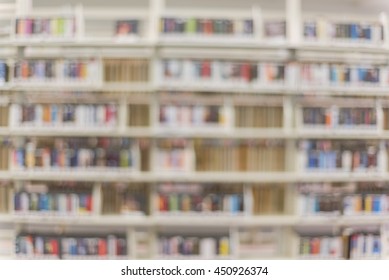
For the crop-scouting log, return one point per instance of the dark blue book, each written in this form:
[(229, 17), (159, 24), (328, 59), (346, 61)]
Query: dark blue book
[(3, 72)]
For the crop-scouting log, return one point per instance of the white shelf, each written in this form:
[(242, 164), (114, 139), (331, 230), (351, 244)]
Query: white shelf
[(124, 175), (196, 132)]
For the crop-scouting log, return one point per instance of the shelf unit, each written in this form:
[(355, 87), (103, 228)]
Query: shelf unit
[(220, 103)]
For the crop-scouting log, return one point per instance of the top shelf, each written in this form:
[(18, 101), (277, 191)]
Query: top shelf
[(282, 25)]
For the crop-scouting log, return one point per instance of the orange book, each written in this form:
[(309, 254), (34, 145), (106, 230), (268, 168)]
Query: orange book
[(25, 70), (46, 113), (83, 71), (328, 118), (358, 204)]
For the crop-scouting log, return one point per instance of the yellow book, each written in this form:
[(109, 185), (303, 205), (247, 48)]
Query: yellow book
[(368, 204), (224, 246)]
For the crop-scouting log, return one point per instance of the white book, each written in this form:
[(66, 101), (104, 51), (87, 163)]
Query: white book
[(75, 203), (325, 243), (112, 245), (369, 245), (346, 161), (16, 115), (185, 113), (302, 205), (62, 203), (101, 112), (208, 248), (38, 115)]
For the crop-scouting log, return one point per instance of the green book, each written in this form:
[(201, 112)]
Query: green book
[(191, 26), (173, 202), (61, 26), (124, 158)]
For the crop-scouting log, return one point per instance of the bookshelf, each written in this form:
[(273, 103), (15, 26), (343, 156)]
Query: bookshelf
[(173, 129)]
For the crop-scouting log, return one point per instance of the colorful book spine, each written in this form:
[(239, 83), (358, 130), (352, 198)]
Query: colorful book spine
[(37, 246), (64, 115), (62, 27), (56, 70), (207, 27), (203, 247), (76, 153), (321, 247)]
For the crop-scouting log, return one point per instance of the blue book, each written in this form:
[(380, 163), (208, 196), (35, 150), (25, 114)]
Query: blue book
[(17, 201), (3, 72), (333, 74), (322, 160), (54, 113), (316, 205), (367, 32), (311, 160), (354, 31), (377, 245), (234, 203), (44, 202), (20, 157), (376, 204)]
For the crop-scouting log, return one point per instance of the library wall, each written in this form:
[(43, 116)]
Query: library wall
[(183, 130)]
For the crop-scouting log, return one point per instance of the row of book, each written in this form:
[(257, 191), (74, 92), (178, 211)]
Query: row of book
[(222, 71), (196, 115), (353, 246), (339, 155), (126, 70), (322, 30), (258, 116), (63, 115), (363, 245), (47, 27), (239, 156), (245, 72), (211, 203), (46, 70), (190, 26), (105, 115), (357, 204), (206, 247), (321, 246), (342, 74), (53, 203), (345, 117), (180, 70), (75, 153), (39, 246), (268, 199), (365, 203)]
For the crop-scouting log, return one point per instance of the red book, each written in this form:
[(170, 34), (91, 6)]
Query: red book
[(102, 251), (206, 69), (89, 203), (208, 28), (55, 247), (68, 204), (245, 71)]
